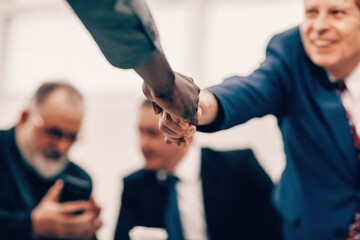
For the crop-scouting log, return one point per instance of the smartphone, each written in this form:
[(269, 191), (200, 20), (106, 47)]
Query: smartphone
[(75, 189)]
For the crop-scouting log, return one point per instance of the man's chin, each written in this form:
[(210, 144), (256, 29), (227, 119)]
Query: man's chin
[(50, 160), (152, 165), (48, 168)]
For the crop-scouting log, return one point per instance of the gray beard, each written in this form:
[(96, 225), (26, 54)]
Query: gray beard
[(47, 168)]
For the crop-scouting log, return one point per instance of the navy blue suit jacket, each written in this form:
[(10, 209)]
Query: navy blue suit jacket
[(319, 189), (15, 214), (237, 199)]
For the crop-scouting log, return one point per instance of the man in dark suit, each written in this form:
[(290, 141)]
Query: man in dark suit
[(33, 155), (221, 195), (298, 83)]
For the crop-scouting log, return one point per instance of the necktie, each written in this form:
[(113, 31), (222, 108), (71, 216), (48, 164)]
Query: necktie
[(354, 229), (341, 87), (171, 215)]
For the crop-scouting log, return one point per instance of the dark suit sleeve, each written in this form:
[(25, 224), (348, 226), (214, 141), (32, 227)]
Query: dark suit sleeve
[(265, 91), (15, 225), (117, 30), (127, 218)]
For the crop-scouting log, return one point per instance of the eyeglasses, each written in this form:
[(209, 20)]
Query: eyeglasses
[(53, 132)]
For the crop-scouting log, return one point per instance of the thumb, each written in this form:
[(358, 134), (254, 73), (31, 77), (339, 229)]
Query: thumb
[(54, 192), (194, 117)]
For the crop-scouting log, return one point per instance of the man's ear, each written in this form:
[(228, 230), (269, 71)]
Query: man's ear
[(24, 117)]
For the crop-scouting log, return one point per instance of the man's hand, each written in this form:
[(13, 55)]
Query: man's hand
[(53, 219), (177, 130), (181, 102)]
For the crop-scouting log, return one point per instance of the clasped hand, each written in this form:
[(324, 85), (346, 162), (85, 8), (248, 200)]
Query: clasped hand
[(181, 102), (177, 130)]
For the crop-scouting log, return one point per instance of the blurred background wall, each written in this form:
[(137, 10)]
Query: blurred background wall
[(206, 39)]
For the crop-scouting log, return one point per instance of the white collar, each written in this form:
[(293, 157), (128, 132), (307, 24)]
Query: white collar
[(352, 82), (188, 169)]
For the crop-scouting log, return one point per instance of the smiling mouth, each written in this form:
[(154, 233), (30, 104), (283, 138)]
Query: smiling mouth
[(322, 43)]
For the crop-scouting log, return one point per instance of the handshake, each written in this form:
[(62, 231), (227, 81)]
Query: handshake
[(181, 108)]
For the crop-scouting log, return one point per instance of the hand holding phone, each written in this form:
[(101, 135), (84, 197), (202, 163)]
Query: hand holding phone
[(75, 189), (50, 218)]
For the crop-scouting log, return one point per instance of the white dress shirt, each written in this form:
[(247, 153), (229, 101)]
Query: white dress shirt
[(351, 96), (190, 195)]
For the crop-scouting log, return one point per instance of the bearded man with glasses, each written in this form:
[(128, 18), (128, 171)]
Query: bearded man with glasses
[(33, 159)]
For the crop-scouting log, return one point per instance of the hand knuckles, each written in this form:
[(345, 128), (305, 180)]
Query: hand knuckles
[(163, 128), (166, 122)]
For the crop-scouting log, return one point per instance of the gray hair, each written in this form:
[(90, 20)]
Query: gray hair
[(47, 88)]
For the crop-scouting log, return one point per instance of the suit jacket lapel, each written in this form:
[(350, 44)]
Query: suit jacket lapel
[(331, 108), (153, 203)]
